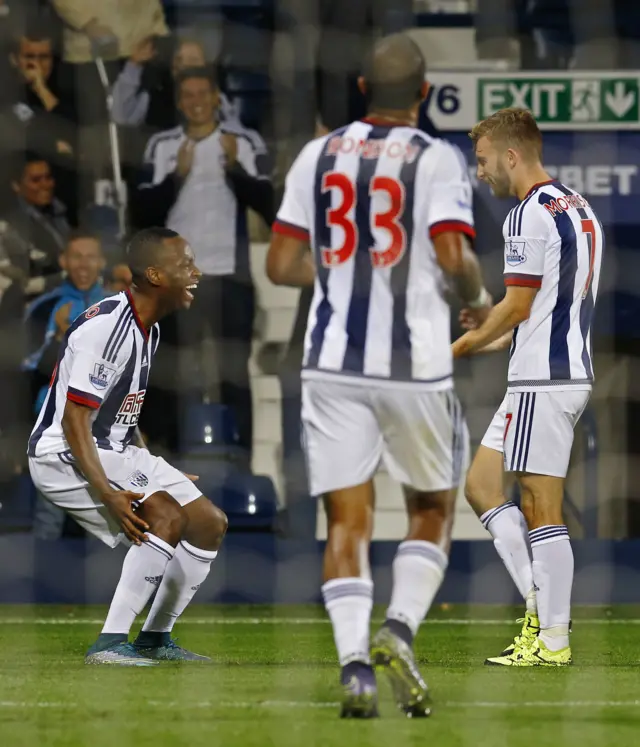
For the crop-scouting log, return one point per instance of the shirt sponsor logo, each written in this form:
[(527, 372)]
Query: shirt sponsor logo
[(101, 375), (515, 253), (129, 412)]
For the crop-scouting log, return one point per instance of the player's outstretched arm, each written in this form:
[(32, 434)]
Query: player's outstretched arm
[(468, 321), (76, 424), (289, 261), (502, 319), (460, 263), (502, 343)]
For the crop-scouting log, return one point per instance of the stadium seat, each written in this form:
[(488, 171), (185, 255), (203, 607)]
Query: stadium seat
[(251, 90), (103, 221), (249, 501), (205, 426)]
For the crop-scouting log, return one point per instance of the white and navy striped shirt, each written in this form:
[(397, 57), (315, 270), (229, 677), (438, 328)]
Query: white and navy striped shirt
[(370, 198), (104, 364), (554, 242)]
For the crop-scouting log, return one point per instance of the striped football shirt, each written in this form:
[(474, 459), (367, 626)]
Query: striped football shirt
[(103, 364), (554, 242), (369, 198)]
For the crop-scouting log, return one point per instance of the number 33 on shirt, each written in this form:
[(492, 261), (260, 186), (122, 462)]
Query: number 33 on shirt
[(375, 189)]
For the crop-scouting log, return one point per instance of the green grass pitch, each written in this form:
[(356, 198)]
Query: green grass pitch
[(274, 681)]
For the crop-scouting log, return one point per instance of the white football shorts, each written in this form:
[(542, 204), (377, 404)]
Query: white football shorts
[(349, 429), (534, 430), (59, 480)]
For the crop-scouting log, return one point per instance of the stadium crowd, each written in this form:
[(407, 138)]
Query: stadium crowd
[(187, 161)]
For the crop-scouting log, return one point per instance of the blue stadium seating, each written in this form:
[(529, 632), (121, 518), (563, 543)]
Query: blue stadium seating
[(205, 426), (103, 221), (249, 501)]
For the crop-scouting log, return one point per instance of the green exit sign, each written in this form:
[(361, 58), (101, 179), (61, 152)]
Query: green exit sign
[(578, 100)]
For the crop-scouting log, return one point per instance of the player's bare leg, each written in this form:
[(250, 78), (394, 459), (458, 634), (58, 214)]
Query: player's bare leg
[(552, 567), (418, 570), (142, 572), (348, 593), (205, 529), (484, 490)]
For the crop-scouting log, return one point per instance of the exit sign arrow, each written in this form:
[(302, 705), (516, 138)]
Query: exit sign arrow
[(619, 101)]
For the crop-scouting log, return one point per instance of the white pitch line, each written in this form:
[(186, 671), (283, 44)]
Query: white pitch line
[(301, 704), (292, 621), (37, 704), (445, 704)]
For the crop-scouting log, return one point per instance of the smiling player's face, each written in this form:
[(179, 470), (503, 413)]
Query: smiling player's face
[(178, 275), (493, 165)]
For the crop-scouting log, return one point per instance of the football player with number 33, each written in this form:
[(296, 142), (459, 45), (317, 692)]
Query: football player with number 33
[(386, 212)]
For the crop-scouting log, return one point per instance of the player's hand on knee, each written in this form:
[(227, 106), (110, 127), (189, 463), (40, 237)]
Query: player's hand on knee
[(119, 505)]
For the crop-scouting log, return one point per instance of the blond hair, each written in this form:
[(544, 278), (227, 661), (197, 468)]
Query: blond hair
[(516, 128)]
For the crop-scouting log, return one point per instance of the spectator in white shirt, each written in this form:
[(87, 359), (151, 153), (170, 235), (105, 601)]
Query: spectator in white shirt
[(199, 180)]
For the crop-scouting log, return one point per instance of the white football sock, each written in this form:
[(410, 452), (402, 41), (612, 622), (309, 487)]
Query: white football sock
[(507, 526), (418, 570), (348, 602), (531, 602), (142, 571), (188, 568), (553, 577)]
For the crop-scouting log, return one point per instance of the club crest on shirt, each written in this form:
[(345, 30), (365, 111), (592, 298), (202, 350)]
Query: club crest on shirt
[(515, 252), (101, 376), (139, 479)]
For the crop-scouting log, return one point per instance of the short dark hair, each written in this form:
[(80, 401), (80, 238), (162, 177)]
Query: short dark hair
[(143, 249), (24, 159), (78, 234), (35, 29), (204, 73), (394, 73)]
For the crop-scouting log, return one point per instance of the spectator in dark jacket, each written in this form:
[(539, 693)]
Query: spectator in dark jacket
[(33, 112), (39, 222)]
